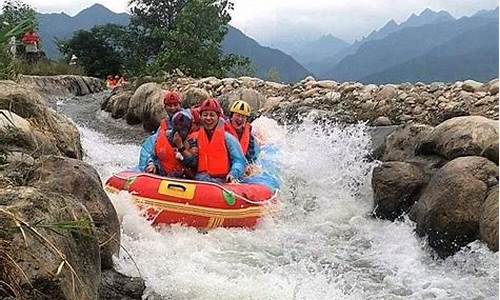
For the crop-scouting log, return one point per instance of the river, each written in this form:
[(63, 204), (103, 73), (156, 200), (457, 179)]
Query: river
[(322, 244)]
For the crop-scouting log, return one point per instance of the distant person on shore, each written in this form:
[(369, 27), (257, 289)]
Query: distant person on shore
[(74, 60), (110, 82), (31, 40), (123, 80)]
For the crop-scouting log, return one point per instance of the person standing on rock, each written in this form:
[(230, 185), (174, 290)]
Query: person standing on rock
[(167, 152), (240, 128), (30, 40), (219, 155)]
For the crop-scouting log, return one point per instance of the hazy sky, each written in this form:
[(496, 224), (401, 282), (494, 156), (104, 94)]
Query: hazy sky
[(268, 20)]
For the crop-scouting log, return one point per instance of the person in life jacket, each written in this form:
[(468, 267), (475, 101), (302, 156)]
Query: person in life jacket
[(167, 152), (172, 104), (219, 154), (110, 84), (240, 128), (123, 80)]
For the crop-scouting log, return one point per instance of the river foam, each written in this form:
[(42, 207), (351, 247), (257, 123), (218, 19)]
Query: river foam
[(322, 244)]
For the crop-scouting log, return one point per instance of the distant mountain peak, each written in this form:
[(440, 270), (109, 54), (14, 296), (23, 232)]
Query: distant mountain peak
[(95, 9), (391, 24), (427, 12)]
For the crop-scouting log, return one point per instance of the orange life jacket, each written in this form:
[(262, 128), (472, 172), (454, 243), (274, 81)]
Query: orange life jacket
[(165, 152), (245, 136), (213, 157)]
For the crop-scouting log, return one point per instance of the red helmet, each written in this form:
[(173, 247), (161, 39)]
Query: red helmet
[(171, 98), (211, 105), (195, 112)]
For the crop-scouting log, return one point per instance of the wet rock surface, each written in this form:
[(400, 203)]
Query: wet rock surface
[(59, 228)]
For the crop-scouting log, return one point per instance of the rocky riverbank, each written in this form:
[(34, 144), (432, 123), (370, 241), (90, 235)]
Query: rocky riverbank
[(59, 228), (348, 102), (63, 85), (445, 178)]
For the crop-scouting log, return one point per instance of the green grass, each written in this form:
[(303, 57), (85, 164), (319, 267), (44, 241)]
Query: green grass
[(48, 69)]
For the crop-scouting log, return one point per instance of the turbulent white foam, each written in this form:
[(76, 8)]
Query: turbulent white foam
[(321, 245)]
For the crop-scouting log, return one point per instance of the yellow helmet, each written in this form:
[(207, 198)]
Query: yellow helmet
[(241, 107)]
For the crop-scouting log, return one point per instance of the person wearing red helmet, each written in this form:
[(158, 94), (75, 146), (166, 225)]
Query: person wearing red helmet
[(172, 104), (167, 152), (219, 154)]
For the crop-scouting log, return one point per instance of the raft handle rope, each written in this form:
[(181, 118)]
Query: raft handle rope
[(273, 197)]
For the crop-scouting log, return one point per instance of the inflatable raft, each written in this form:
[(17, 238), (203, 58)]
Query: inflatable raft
[(195, 203)]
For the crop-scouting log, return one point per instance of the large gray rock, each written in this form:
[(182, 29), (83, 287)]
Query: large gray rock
[(146, 106), (378, 135), (51, 133), (396, 186), (194, 96), (254, 98), (449, 208), (117, 103), (78, 179), (50, 248), (488, 223), (401, 144), (460, 136), (63, 85), (116, 286)]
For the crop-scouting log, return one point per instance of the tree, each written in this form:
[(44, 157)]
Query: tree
[(16, 19), (15, 12), (95, 50), (193, 43), (149, 22), (273, 75)]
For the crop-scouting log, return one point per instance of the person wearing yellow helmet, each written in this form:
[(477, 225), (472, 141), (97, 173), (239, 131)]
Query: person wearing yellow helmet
[(239, 127)]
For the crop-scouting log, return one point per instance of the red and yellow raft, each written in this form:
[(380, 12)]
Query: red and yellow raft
[(195, 203)]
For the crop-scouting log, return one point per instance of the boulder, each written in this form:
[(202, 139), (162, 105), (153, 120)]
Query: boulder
[(461, 136), (396, 186), (401, 144), (493, 87), (117, 103), (488, 222), (50, 247), (120, 103), (146, 106), (449, 208), (378, 134), (64, 85), (53, 133), (471, 86), (386, 93), (194, 96), (254, 98), (73, 177), (116, 286), (327, 84), (382, 121)]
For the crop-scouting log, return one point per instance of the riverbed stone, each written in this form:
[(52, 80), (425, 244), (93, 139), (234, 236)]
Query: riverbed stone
[(488, 223), (449, 208), (65, 176), (396, 186), (460, 136)]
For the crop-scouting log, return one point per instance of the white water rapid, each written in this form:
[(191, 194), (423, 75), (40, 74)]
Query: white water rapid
[(322, 244)]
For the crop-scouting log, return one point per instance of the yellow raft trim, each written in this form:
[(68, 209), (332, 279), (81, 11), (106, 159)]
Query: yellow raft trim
[(217, 213), (214, 222)]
